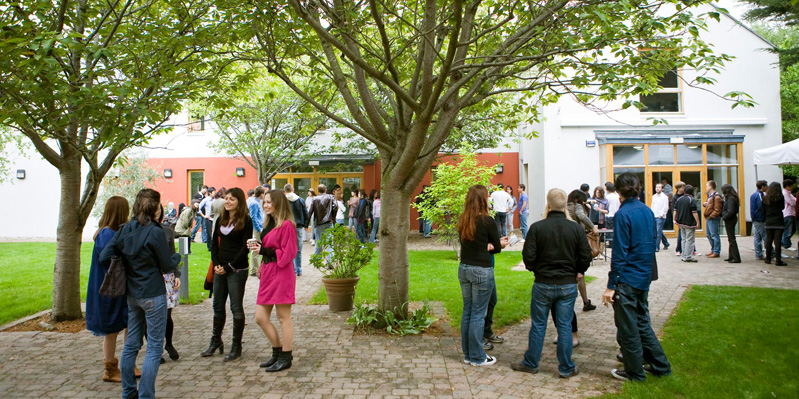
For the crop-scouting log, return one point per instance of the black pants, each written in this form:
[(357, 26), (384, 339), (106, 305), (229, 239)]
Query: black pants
[(230, 285), (209, 224), (487, 331), (729, 226), (502, 222), (634, 333), (773, 243)]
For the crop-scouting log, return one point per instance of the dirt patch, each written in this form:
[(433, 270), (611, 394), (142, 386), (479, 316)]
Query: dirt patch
[(71, 326)]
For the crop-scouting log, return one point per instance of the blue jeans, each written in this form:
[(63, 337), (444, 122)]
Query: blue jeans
[(360, 231), (760, 237), (712, 232), (149, 313), (198, 220), (659, 222), (789, 230), (523, 224), (209, 227), (319, 231), (375, 227), (545, 296), (428, 227), (634, 333), (298, 258), (477, 285)]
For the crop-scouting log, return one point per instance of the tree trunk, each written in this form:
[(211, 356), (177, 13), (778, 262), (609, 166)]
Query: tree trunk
[(393, 262), (66, 275)]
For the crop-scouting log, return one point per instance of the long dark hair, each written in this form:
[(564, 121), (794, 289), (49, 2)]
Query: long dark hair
[(728, 191), (576, 196), (773, 194), (240, 213), (146, 204), (475, 206), (117, 212)]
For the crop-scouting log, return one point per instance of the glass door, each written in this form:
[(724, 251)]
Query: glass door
[(196, 180), (665, 178), (695, 177)]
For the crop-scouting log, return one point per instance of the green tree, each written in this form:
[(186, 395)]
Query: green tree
[(786, 14), (444, 199), (84, 80), (407, 70), (131, 174)]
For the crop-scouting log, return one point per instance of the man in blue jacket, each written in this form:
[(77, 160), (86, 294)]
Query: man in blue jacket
[(758, 217), (628, 284)]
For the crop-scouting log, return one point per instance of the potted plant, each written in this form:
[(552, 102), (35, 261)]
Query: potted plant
[(342, 256)]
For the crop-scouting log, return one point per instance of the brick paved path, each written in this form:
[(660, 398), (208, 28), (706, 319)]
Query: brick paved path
[(330, 362)]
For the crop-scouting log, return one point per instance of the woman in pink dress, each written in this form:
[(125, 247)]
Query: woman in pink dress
[(278, 248)]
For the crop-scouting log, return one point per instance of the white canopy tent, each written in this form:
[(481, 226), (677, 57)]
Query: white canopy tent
[(783, 154)]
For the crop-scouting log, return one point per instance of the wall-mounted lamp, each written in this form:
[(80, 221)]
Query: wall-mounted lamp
[(240, 172), (693, 147), (21, 174), (638, 147), (499, 169), (167, 173)]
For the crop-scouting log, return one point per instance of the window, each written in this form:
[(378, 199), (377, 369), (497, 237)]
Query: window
[(668, 98), (196, 123)]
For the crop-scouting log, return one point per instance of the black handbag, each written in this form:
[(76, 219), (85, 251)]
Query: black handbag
[(115, 281)]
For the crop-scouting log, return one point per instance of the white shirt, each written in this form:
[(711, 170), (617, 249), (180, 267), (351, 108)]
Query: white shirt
[(660, 205), (613, 204), (502, 201)]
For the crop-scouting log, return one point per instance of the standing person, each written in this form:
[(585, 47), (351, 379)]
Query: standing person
[(599, 208), (524, 209), (205, 211), (575, 205), (106, 317), (218, 205), (631, 271), (613, 206), (277, 284), (198, 219), (340, 215), (309, 231), (362, 214), (352, 203), (509, 221), (254, 207), (667, 189), (183, 226), (322, 214), (376, 202), (660, 207), (229, 255), (501, 203), (476, 230), (758, 217), (686, 218), (300, 212), (729, 215), (557, 252), (171, 284), (141, 243), (788, 214), (773, 205), (713, 207)]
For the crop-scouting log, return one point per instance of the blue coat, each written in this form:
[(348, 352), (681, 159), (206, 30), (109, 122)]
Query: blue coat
[(104, 315), (633, 245)]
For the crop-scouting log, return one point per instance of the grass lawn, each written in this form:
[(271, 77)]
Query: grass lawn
[(28, 289), (434, 276), (728, 342)]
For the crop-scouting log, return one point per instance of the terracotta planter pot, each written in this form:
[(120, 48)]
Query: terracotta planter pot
[(340, 292)]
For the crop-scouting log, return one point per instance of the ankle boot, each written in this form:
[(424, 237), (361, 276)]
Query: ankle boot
[(111, 372), (283, 362), (275, 352), (216, 338), (235, 349), (173, 353)]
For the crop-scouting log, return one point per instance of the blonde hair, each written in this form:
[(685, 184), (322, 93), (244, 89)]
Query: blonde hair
[(281, 210), (556, 201)]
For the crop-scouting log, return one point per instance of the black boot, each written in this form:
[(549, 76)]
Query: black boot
[(275, 352), (283, 362), (235, 349), (216, 338)]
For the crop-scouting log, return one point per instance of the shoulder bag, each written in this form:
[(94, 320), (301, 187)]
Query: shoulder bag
[(115, 281)]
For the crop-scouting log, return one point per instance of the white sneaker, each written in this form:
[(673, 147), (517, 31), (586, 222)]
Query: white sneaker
[(789, 249), (785, 256), (489, 361)]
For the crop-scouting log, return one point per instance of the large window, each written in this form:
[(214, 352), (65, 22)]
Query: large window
[(668, 98)]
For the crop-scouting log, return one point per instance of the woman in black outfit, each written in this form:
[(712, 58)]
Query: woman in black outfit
[(730, 216), (773, 204), (229, 253)]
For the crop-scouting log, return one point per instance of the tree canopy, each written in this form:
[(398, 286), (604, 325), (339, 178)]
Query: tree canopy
[(784, 13)]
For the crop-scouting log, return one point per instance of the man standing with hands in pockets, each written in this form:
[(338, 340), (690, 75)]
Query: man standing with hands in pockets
[(628, 284)]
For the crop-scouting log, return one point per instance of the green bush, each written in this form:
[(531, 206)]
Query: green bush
[(348, 254), (367, 317)]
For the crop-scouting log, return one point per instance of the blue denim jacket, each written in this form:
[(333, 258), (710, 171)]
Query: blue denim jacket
[(634, 234), (756, 208)]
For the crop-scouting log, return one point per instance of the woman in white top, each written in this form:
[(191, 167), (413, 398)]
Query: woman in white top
[(375, 216), (340, 218), (308, 202)]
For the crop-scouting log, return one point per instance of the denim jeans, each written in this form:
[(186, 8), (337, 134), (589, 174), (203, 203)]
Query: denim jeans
[(149, 314), (428, 227), (340, 221), (477, 284), (659, 222), (198, 222), (375, 227), (712, 232), (760, 237), (509, 222), (523, 224), (232, 285), (298, 258), (500, 218), (688, 240), (360, 232), (545, 297), (319, 231), (790, 228), (634, 333)]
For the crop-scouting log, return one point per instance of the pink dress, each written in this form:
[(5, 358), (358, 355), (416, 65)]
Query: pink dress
[(277, 278)]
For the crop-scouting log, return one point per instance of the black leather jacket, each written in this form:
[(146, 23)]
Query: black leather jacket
[(323, 209)]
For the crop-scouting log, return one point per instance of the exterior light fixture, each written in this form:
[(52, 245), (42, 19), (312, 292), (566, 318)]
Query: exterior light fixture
[(500, 168), (21, 174), (638, 147), (240, 172), (167, 173)]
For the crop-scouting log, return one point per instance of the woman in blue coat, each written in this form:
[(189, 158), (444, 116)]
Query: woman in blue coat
[(106, 317)]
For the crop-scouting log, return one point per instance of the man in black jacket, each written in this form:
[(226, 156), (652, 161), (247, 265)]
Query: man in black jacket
[(300, 222), (323, 212), (557, 251)]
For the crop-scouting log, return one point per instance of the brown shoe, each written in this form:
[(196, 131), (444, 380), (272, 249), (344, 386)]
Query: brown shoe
[(712, 255), (111, 372)]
